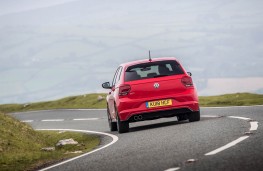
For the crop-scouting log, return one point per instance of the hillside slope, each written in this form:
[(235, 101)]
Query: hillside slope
[(20, 145)]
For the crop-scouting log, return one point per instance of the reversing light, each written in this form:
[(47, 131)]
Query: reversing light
[(124, 90), (187, 81)]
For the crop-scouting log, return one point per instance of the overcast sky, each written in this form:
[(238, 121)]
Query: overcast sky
[(56, 48)]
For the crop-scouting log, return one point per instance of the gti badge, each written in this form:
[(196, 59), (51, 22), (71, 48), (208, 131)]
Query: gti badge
[(156, 85)]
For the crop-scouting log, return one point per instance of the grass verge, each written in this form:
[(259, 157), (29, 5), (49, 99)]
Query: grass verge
[(91, 101), (20, 145), (238, 99)]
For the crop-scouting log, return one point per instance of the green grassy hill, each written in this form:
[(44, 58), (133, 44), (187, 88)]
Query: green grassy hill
[(20, 145), (238, 99), (92, 101)]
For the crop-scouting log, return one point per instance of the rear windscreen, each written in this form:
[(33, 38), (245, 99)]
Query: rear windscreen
[(152, 70)]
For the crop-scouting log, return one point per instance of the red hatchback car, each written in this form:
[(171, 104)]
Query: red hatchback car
[(150, 89)]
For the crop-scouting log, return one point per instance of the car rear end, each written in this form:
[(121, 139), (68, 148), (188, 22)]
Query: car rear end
[(156, 89)]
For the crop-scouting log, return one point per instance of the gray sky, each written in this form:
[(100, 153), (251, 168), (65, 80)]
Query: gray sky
[(55, 48)]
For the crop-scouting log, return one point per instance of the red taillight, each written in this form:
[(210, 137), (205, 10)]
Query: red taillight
[(187, 81), (124, 90)]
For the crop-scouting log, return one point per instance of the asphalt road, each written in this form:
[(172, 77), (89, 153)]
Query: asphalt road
[(165, 144)]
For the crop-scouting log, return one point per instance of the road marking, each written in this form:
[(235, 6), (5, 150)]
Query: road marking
[(114, 140), (85, 119), (254, 126), (233, 106), (238, 117), (52, 110), (52, 120), (210, 116), (60, 120), (173, 169), (27, 120), (231, 144), (84, 109)]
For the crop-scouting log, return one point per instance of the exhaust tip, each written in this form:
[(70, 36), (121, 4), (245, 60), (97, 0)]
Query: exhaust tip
[(137, 117)]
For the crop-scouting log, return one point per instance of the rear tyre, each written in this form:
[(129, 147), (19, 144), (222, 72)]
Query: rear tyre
[(194, 116), (112, 125), (122, 126)]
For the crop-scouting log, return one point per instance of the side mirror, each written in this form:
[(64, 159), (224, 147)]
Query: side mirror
[(189, 73), (106, 85)]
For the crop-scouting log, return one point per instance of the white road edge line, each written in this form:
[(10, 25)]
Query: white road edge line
[(114, 140), (52, 110), (210, 116), (233, 143), (52, 120), (253, 127), (238, 117), (27, 120), (233, 106), (85, 119), (173, 169), (84, 109)]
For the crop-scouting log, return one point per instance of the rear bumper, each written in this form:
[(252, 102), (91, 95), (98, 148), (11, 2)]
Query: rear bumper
[(128, 108), (160, 114)]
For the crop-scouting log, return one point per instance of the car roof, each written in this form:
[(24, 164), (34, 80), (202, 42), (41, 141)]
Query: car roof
[(147, 61)]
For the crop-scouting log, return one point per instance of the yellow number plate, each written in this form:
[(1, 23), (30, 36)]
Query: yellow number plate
[(159, 103)]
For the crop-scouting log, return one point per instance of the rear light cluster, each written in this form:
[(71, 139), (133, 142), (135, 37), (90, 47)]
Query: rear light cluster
[(124, 90), (187, 81)]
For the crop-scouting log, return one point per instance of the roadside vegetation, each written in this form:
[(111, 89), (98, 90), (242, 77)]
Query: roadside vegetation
[(97, 101), (238, 99), (91, 101), (20, 145)]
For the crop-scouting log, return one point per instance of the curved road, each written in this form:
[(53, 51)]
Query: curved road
[(224, 139)]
